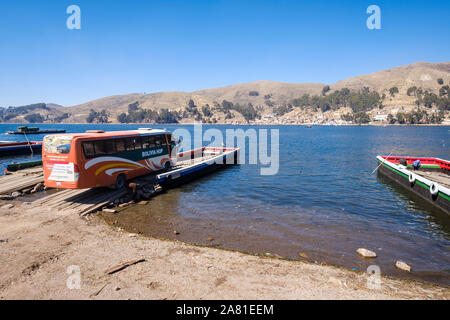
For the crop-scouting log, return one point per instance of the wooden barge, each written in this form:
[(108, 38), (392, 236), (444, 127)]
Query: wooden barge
[(430, 181), (14, 148), (197, 162), (34, 130), (190, 165)]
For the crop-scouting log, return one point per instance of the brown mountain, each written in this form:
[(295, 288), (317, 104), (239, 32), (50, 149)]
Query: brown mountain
[(264, 94)]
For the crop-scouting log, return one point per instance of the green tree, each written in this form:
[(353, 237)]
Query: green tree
[(98, 117), (361, 117), (191, 104), (133, 107), (444, 91), (440, 81), (411, 91), (391, 119), (347, 117), (429, 99), (401, 118), (325, 89), (166, 116), (393, 91), (206, 110), (122, 118)]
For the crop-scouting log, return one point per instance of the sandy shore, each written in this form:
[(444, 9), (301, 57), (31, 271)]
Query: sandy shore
[(37, 247)]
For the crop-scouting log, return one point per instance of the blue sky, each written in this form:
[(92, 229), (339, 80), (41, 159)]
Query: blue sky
[(149, 46)]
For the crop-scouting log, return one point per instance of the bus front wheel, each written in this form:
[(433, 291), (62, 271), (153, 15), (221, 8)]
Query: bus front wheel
[(120, 182)]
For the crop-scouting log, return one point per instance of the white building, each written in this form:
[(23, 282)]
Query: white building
[(380, 117)]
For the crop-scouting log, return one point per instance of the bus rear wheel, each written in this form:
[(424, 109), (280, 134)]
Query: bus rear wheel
[(167, 166), (120, 182)]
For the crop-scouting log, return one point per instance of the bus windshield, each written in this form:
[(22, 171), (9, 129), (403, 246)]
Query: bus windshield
[(57, 144)]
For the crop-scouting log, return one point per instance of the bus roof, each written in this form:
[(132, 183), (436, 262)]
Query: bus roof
[(112, 134)]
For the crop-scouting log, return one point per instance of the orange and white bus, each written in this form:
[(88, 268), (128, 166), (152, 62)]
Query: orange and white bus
[(99, 159)]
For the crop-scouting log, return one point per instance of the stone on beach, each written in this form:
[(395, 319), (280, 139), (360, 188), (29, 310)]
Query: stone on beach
[(39, 187), (16, 194), (403, 266), (366, 253)]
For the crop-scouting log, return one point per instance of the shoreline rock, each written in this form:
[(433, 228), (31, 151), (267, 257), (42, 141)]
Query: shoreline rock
[(366, 253), (403, 266)]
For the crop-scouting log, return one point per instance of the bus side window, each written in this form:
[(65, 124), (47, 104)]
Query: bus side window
[(88, 149), (158, 140), (120, 145), (130, 144), (151, 143), (110, 146), (145, 142), (99, 148), (137, 143)]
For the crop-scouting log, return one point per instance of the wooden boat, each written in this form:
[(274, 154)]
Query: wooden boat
[(431, 180), (23, 165), (14, 148), (34, 130)]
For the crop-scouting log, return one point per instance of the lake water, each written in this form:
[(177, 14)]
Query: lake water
[(323, 203)]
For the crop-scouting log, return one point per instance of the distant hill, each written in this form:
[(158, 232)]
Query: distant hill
[(420, 74), (259, 92), (263, 96)]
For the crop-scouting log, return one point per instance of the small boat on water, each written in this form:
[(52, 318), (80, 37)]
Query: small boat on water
[(34, 130), (9, 148), (429, 178)]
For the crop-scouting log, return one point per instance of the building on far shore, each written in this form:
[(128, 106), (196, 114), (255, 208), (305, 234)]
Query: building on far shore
[(380, 117)]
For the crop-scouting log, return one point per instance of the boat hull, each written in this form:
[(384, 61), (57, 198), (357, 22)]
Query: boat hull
[(36, 132), (10, 149), (224, 157), (420, 186)]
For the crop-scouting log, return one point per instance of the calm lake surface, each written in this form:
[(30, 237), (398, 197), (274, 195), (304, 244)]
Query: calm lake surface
[(323, 203)]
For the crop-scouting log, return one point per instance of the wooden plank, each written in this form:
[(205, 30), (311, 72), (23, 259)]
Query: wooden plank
[(58, 196), (19, 184)]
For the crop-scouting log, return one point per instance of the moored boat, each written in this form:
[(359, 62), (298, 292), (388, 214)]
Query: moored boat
[(14, 148), (429, 178), (34, 130)]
